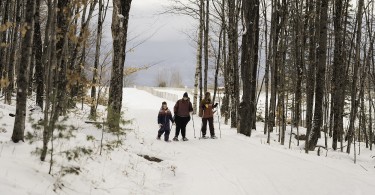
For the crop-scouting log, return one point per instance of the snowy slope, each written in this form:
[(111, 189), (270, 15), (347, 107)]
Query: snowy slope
[(234, 164)]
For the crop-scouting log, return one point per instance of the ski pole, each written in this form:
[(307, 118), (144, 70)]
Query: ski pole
[(218, 114), (192, 117)]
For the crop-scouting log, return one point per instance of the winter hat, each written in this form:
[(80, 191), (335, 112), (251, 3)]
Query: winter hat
[(186, 94), (164, 103)]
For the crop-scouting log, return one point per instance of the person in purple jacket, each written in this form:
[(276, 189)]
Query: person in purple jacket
[(164, 117)]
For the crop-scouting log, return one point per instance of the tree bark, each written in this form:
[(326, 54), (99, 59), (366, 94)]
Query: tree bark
[(314, 13), (120, 18), (49, 60), (275, 30), (354, 101), (38, 49), (97, 58), (320, 77), (281, 59), (198, 69), (13, 58), (218, 60), (370, 120), (249, 64), (266, 77), (206, 37), (225, 103), (233, 61), (338, 72), (27, 44), (299, 61)]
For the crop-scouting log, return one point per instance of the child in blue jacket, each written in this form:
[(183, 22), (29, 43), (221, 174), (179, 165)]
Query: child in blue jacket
[(164, 117)]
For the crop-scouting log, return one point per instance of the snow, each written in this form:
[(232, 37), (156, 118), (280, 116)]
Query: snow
[(232, 164)]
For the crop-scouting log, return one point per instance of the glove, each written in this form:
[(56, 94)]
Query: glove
[(160, 125), (216, 105)]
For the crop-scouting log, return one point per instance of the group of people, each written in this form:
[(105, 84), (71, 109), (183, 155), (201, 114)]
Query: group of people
[(182, 111)]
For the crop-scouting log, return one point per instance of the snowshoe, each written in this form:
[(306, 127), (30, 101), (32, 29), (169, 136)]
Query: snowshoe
[(185, 139), (204, 137), (158, 138), (168, 141), (175, 139), (213, 137)]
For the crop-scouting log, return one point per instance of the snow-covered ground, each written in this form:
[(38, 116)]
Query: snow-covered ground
[(232, 164)]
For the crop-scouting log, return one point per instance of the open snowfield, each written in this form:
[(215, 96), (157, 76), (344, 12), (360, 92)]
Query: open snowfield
[(232, 164)]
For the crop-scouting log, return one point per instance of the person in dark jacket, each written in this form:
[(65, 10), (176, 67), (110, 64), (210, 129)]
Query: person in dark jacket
[(182, 111), (164, 117), (206, 108)]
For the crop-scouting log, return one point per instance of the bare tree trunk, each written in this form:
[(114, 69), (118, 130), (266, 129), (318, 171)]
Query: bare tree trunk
[(225, 111), (249, 64), (354, 101), (218, 60), (27, 45), (38, 49), (198, 69), (266, 77), (363, 115), (368, 63), (320, 77), (314, 13), (338, 72), (49, 60), (62, 17), (233, 60), (206, 37), (299, 60), (275, 30), (13, 58), (120, 18), (254, 44), (97, 58), (281, 71), (370, 119)]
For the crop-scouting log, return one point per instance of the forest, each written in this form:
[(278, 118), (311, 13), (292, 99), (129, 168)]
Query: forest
[(313, 59)]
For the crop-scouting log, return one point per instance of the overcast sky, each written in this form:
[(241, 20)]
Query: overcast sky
[(166, 42)]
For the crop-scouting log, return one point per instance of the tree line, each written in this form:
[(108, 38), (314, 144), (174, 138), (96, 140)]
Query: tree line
[(51, 53), (311, 59)]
